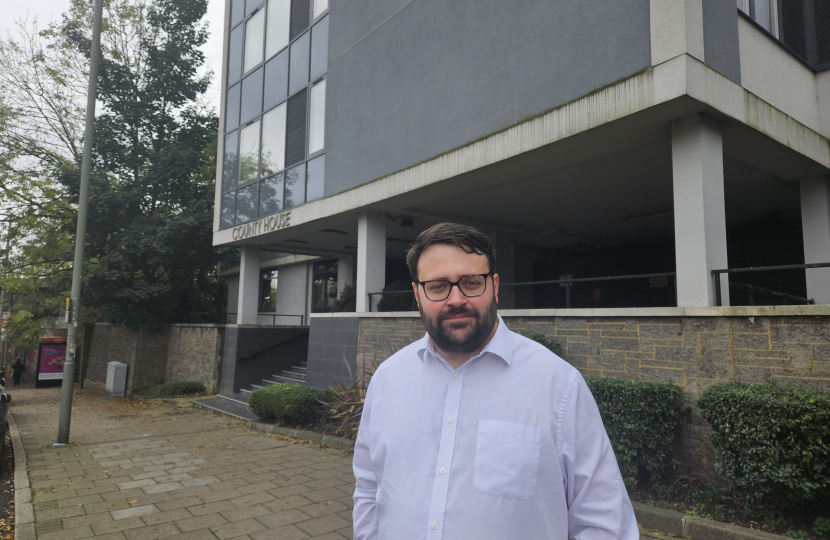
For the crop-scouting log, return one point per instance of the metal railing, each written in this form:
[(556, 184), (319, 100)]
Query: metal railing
[(568, 283), (716, 276), (275, 315)]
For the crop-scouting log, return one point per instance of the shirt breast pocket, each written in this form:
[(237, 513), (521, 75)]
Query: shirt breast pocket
[(507, 459)]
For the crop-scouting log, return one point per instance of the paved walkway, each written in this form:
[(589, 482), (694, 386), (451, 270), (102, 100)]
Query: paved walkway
[(139, 472)]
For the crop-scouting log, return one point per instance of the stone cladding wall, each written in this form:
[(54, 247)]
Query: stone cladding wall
[(195, 354)]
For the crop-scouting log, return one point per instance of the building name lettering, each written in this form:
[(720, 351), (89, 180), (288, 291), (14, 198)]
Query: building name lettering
[(254, 228)]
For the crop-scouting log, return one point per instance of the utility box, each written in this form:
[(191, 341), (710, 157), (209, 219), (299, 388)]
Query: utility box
[(116, 379)]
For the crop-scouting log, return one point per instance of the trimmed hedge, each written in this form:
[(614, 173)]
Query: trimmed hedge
[(171, 389), (642, 421), (292, 403), (773, 441)]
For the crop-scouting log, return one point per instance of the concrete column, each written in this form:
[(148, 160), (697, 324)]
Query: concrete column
[(699, 216), (248, 285), (371, 258), (345, 272), (815, 224), (505, 267)]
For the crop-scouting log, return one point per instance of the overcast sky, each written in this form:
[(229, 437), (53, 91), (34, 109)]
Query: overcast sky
[(51, 10)]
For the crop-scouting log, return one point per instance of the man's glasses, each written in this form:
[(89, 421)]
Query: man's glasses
[(439, 289)]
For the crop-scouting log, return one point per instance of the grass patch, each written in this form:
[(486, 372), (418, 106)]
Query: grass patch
[(171, 390)]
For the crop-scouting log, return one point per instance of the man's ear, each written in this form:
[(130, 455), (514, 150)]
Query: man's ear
[(496, 287), (415, 290)]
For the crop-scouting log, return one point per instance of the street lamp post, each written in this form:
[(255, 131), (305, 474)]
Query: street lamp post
[(80, 234)]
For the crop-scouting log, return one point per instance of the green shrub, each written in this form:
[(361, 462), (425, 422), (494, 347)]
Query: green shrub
[(642, 420), (171, 389), (773, 441), (397, 302), (292, 403), (347, 302), (543, 340)]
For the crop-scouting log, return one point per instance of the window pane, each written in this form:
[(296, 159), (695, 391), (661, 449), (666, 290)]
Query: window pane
[(251, 5), (319, 7), (226, 217), (232, 108), (743, 5), (249, 153), (270, 195), (762, 13), (254, 37), (230, 170), (299, 17), (235, 55), (317, 117), (295, 129), (268, 291), (295, 186), (320, 48), (246, 203), (279, 20), (315, 178), (251, 95), (276, 80), (273, 141), (237, 12), (298, 77)]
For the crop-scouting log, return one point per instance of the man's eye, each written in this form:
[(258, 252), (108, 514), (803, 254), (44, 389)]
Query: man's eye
[(436, 286)]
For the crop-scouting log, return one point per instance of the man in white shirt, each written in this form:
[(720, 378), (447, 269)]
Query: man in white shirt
[(475, 432)]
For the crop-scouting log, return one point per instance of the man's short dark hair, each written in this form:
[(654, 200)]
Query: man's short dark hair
[(469, 239)]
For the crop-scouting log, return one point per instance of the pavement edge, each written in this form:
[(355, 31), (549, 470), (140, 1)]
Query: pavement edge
[(24, 514), (696, 528), (319, 438)]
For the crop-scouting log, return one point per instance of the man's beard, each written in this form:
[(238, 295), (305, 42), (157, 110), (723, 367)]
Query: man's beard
[(440, 330)]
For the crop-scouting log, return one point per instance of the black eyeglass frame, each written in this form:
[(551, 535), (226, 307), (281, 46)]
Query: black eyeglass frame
[(456, 284)]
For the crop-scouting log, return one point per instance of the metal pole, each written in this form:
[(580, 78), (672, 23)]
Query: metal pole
[(80, 233)]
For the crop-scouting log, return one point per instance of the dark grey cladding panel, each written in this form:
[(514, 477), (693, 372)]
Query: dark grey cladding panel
[(720, 38), (435, 75), (332, 342)]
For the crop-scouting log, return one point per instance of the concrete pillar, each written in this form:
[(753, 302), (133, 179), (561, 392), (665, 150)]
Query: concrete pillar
[(248, 285), (505, 267), (699, 216), (371, 258), (345, 272), (815, 224)]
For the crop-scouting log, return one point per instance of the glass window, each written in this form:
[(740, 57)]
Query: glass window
[(235, 55), (315, 178), (254, 37), (232, 108), (300, 10), (237, 12), (294, 186), (270, 195), (279, 21), (295, 129), (319, 48), (251, 5), (317, 117), (268, 291), (273, 141), (246, 203), (743, 5), (276, 80), (319, 7), (251, 95), (249, 153), (298, 74), (230, 169), (226, 217), (324, 287)]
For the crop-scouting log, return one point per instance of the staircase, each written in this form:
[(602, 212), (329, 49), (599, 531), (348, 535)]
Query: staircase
[(236, 405)]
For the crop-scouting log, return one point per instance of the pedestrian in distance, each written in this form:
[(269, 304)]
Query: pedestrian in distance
[(475, 431), (18, 368)]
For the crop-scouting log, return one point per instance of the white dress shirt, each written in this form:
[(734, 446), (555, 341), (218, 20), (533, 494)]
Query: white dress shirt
[(508, 446)]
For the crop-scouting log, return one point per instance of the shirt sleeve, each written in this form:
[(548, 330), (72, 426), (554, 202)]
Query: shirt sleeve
[(598, 504), (365, 515)]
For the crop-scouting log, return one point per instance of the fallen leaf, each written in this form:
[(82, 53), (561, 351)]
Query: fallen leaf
[(133, 501), (229, 448)]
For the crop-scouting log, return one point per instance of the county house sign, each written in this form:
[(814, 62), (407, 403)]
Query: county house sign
[(270, 223)]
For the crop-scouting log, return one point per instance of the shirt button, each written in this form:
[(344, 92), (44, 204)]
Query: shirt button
[(457, 375), (449, 421), (443, 471), (434, 526)]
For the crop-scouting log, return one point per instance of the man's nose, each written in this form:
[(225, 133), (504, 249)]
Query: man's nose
[(456, 298)]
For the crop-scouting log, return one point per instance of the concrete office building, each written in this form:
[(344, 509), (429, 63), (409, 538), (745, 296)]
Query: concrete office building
[(589, 139)]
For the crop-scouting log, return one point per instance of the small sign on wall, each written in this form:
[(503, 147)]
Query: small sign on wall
[(658, 281), (597, 295)]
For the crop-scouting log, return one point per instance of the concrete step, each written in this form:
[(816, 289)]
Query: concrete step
[(239, 399), (282, 379), (226, 407)]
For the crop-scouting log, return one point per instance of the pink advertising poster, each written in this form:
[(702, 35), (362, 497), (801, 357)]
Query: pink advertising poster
[(50, 361)]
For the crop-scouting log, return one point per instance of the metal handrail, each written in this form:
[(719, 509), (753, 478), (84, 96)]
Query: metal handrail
[(567, 282), (770, 291), (716, 273), (283, 342)]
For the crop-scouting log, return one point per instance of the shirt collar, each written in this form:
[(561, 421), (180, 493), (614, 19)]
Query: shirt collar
[(500, 345)]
